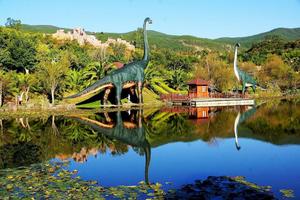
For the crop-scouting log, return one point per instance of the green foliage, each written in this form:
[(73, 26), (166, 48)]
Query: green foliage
[(287, 34), (34, 64), (259, 51), (41, 28), (276, 73), (179, 43), (178, 79), (159, 40), (216, 70), (17, 50), (52, 70), (12, 23), (119, 51), (292, 57)]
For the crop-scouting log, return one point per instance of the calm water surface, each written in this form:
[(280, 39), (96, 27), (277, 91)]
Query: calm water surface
[(176, 145)]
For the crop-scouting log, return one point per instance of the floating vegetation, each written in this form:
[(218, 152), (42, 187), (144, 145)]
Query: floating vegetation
[(221, 187), (287, 193), (52, 181)]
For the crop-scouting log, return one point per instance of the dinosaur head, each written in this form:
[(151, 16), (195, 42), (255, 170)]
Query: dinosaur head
[(237, 45), (148, 20)]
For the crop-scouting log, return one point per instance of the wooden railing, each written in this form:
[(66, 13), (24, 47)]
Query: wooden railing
[(227, 95), (175, 97), (185, 97)]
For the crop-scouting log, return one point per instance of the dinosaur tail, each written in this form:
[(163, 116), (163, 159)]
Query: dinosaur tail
[(91, 88)]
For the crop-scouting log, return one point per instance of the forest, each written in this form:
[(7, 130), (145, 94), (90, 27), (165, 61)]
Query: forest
[(37, 69)]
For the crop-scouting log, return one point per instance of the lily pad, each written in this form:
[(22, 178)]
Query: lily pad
[(287, 193)]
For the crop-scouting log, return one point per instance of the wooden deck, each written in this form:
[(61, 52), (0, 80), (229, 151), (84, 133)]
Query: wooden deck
[(209, 102), (221, 102), (214, 99)]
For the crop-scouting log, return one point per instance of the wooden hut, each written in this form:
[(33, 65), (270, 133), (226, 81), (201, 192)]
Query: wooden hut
[(199, 113), (198, 88)]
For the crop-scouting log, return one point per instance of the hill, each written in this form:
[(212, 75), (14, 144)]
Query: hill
[(162, 40), (41, 28), (288, 34), (183, 42)]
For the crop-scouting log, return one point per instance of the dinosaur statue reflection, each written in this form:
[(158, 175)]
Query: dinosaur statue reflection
[(240, 118), (125, 77), (243, 77), (128, 132)]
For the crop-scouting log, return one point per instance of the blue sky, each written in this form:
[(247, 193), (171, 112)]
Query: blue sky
[(202, 18)]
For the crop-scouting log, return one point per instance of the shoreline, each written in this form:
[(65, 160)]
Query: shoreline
[(62, 109), (59, 110)]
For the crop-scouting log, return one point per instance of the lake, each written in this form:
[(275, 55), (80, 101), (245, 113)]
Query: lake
[(170, 145)]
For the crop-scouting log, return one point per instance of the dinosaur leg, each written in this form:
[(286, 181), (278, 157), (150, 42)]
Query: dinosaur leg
[(106, 94), (133, 96), (140, 93), (244, 87), (254, 88), (107, 117), (118, 94), (140, 115)]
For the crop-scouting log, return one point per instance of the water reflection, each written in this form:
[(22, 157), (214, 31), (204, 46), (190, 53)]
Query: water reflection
[(77, 137), (138, 136), (240, 118), (129, 131)]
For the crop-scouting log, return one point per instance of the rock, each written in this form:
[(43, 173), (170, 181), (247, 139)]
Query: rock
[(221, 187)]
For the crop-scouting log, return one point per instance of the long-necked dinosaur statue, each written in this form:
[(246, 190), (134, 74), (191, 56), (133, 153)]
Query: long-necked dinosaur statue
[(243, 77), (130, 133), (240, 118), (125, 77)]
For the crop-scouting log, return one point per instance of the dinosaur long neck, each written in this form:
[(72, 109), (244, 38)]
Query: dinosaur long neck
[(146, 46), (147, 150), (235, 64)]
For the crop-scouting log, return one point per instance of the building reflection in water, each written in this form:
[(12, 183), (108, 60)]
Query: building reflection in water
[(202, 115)]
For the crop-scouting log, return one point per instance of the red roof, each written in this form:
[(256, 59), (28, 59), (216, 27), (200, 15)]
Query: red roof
[(198, 82), (118, 64)]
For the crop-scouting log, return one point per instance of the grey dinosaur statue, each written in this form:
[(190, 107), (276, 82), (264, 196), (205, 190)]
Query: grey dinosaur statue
[(245, 79), (126, 77), (129, 133)]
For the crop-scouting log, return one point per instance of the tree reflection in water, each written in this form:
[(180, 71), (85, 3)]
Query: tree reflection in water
[(77, 137)]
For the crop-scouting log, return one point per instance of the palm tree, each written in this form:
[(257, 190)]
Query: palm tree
[(75, 79), (95, 71)]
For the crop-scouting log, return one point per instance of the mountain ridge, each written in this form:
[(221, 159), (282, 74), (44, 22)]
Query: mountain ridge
[(181, 42)]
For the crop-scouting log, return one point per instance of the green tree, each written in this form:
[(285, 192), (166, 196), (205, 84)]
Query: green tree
[(95, 71), (3, 85), (52, 71), (76, 79), (101, 55), (276, 72), (138, 38), (118, 52), (12, 23), (24, 83), (178, 79), (17, 50)]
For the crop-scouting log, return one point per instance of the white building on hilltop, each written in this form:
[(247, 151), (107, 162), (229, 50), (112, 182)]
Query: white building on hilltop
[(82, 38)]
